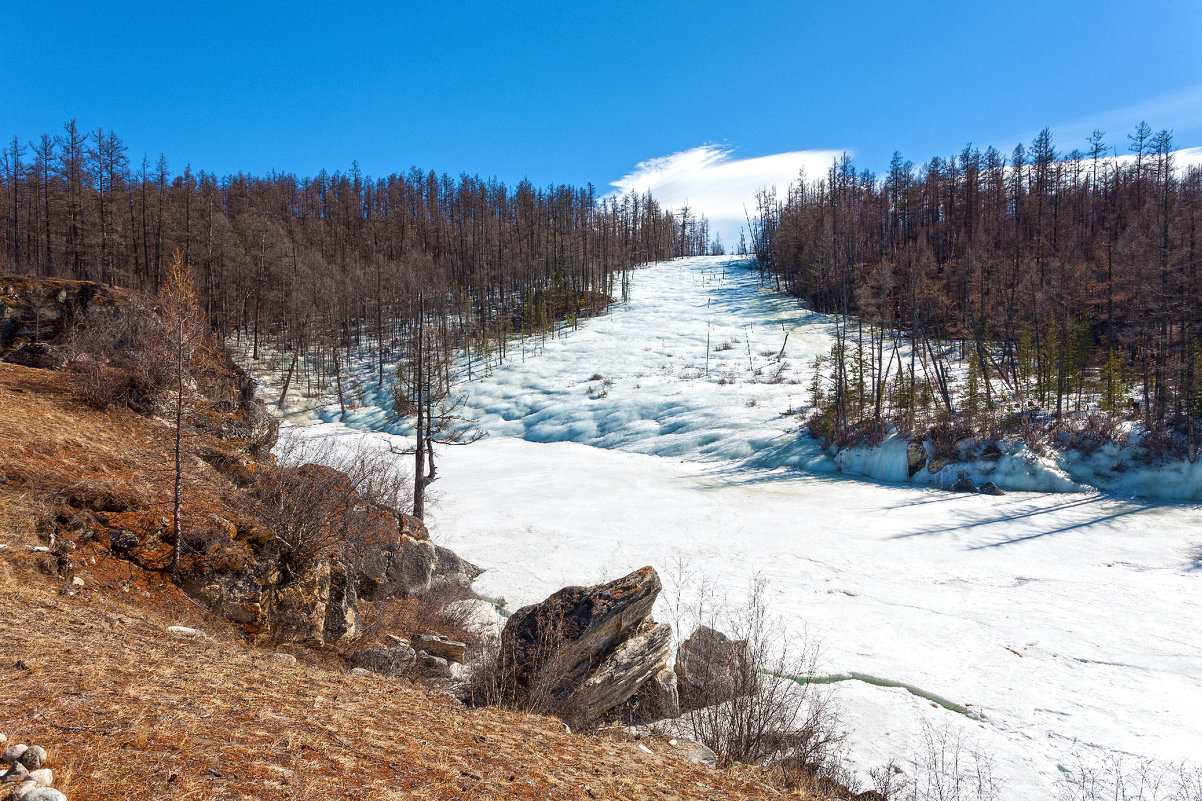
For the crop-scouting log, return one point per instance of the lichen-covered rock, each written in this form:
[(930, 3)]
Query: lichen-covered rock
[(916, 457), (414, 568), (586, 650)]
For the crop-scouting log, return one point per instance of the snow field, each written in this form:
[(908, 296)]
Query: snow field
[(1066, 622)]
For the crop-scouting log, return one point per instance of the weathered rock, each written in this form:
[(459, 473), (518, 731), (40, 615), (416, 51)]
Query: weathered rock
[(963, 484), (916, 457), (394, 640), (287, 659), (586, 650), (415, 568), (691, 751), (341, 624), (185, 631), (433, 665), (630, 666), (935, 465), (38, 355), (33, 757), (435, 644), (710, 668), (13, 752), (989, 488), (360, 672), (385, 661)]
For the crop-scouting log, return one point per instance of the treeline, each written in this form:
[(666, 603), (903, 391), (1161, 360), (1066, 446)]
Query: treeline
[(992, 290), (309, 265)]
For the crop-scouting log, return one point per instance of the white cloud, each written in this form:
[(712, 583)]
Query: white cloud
[(719, 186)]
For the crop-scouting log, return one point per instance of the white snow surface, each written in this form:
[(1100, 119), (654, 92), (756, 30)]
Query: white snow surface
[(1067, 623)]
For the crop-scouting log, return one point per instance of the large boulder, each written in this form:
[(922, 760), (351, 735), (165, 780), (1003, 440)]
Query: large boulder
[(710, 668), (413, 568), (586, 651)]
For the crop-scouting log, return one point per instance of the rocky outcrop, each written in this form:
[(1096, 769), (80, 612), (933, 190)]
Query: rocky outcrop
[(586, 651), (916, 457)]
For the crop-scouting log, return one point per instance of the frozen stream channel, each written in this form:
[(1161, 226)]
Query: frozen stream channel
[(1069, 623)]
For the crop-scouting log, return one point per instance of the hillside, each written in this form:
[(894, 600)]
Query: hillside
[(128, 710)]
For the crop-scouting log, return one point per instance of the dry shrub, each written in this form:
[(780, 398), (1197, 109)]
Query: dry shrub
[(1130, 780), (751, 699), (434, 613), (121, 360), (322, 498), (525, 677)]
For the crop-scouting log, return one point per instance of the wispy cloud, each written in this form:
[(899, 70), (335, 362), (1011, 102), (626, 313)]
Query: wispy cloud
[(1180, 112), (715, 183)]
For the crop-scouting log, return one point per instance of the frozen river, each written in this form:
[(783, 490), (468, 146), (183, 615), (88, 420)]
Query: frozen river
[(1067, 623)]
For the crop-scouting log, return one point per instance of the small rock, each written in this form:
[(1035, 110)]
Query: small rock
[(44, 777), (17, 773), (185, 631), (694, 752), (360, 672), (14, 752), (287, 659), (40, 549), (989, 488), (36, 793), (3, 739), (33, 757), (439, 646), (77, 582), (964, 485), (396, 641)]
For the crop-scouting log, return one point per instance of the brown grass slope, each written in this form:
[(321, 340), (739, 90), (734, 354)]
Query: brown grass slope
[(129, 711)]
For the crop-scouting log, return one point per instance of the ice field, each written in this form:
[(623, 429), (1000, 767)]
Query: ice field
[(1066, 624)]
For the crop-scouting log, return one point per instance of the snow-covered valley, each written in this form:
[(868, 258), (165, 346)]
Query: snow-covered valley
[(1065, 623)]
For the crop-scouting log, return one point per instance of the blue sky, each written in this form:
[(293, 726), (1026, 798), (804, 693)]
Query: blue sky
[(577, 93)]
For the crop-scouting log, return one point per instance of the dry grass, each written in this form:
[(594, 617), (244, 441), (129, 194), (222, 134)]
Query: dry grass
[(129, 711)]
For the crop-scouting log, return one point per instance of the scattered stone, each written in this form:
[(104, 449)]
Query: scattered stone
[(33, 757), (396, 641), (989, 488), (43, 777), (14, 752), (385, 661), (3, 739), (287, 659), (185, 631), (437, 645), (360, 672), (36, 793), (17, 773), (694, 752), (964, 484)]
